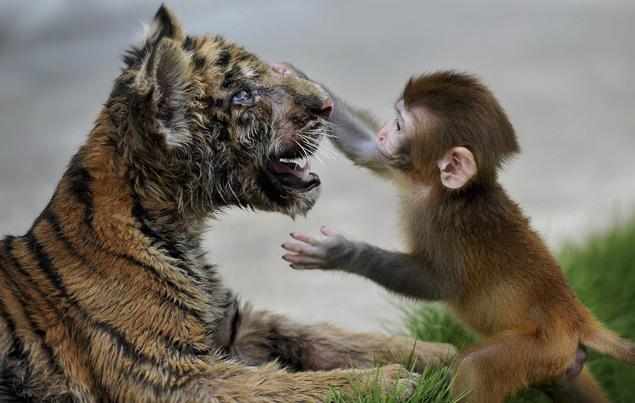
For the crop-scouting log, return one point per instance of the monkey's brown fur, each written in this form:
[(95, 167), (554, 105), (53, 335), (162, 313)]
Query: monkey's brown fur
[(499, 276), (472, 247), (109, 297)]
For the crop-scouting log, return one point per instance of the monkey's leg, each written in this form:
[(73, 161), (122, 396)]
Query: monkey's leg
[(507, 362), (582, 389), (261, 336)]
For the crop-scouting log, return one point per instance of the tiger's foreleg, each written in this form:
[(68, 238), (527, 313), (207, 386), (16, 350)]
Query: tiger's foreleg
[(258, 337), (233, 382)]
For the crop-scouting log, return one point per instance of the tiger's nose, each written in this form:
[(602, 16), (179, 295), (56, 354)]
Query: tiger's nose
[(327, 109)]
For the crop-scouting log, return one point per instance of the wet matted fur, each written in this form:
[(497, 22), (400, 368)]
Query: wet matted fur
[(108, 297)]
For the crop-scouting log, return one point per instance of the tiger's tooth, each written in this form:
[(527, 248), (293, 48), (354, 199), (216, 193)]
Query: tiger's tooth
[(306, 175)]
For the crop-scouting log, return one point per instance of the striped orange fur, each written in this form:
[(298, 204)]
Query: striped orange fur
[(109, 296)]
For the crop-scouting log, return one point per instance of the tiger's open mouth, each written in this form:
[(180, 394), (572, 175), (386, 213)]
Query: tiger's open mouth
[(292, 172)]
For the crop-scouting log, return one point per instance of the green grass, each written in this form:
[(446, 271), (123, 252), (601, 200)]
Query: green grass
[(601, 270), (433, 387)]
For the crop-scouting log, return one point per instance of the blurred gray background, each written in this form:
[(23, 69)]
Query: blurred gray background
[(563, 69)]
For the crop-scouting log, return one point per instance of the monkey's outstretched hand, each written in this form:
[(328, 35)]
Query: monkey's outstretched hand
[(328, 251)]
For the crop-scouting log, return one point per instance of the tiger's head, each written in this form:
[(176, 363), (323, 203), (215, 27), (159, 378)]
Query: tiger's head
[(210, 125)]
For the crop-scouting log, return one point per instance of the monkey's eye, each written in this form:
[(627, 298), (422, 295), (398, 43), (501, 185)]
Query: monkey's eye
[(245, 98)]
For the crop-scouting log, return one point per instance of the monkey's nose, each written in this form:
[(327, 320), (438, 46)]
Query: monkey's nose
[(327, 109)]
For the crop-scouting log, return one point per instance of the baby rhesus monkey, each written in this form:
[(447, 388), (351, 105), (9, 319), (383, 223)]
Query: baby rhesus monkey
[(468, 244)]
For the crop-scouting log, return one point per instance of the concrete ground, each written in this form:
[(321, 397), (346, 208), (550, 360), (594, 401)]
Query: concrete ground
[(563, 69)]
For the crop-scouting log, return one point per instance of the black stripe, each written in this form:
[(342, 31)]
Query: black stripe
[(10, 383), (100, 391), (128, 348), (182, 347), (23, 302), (11, 326), (234, 326), (165, 22), (134, 55), (3, 309), (102, 394), (189, 44), (224, 56), (56, 225), (246, 56), (140, 215), (45, 264), (218, 130), (79, 180), (199, 62), (213, 103), (233, 75), (120, 89), (96, 244)]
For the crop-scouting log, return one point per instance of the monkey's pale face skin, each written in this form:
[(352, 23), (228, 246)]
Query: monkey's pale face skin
[(390, 138)]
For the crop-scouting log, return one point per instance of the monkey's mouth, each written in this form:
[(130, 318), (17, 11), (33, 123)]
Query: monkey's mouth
[(293, 173)]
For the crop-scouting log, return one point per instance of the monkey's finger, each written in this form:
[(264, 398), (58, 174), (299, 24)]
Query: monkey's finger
[(328, 231), (291, 69), (303, 249), (301, 259), (311, 240)]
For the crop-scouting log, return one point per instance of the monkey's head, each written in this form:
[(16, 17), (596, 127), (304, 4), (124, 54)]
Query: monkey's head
[(449, 129), (211, 125)]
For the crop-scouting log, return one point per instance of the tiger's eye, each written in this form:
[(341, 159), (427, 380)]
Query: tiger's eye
[(243, 98)]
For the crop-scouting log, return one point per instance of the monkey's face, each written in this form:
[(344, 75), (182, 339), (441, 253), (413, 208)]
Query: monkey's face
[(459, 123), (394, 139), (408, 143)]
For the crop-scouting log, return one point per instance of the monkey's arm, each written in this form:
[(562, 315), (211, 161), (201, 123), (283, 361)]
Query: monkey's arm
[(354, 129), (354, 135), (398, 272)]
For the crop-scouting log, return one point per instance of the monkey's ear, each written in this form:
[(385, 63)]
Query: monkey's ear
[(457, 167)]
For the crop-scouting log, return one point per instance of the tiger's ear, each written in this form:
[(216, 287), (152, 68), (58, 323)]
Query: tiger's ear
[(163, 25), (162, 92)]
